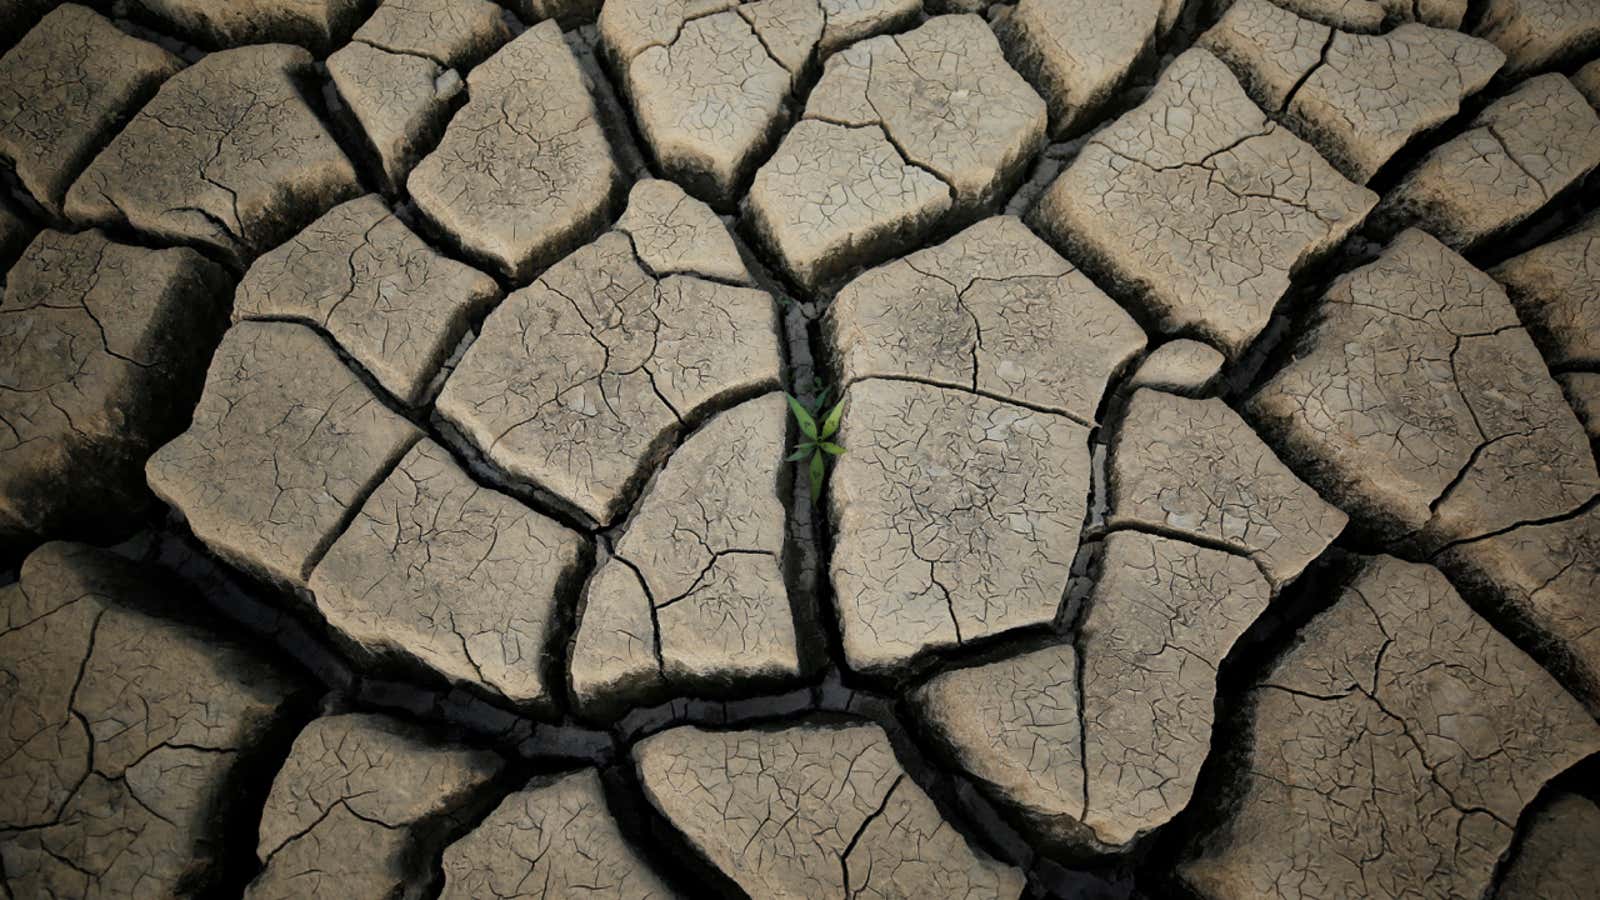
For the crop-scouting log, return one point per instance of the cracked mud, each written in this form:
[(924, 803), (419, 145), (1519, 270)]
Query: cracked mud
[(1196, 495)]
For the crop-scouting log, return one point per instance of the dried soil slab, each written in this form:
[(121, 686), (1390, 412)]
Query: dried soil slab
[(1198, 208), (1162, 616), (795, 31), (452, 577), (1359, 99), (675, 234), (1080, 53), (709, 102), (1542, 581), (992, 310), (1183, 367), (1541, 34), (124, 723), (814, 810), (401, 73), (70, 83), (104, 348), (1518, 153), (1374, 15), (1556, 290), (1392, 749), (360, 806), (227, 156), (1587, 81), (285, 443), (1094, 780), (1556, 858), (554, 838), (394, 304), (833, 198), (711, 81), (957, 518), (320, 25), (1583, 393), (910, 126), (580, 382), (1194, 468), (524, 173), (402, 104), (702, 559), (457, 34), (1416, 402), (945, 96)]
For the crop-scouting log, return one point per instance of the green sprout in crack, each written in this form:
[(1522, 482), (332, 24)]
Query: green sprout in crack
[(816, 441)]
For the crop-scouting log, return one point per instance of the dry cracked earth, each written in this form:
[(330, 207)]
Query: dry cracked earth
[(397, 496)]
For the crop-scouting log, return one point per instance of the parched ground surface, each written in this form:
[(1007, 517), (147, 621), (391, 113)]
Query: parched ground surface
[(892, 449)]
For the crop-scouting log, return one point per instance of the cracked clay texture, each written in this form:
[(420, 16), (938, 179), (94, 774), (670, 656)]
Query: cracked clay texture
[(799, 449)]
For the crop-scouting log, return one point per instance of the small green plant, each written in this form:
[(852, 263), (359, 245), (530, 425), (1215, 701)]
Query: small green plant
[(816, 441)]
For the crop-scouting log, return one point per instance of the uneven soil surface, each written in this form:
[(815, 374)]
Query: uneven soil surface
[(800, 449)]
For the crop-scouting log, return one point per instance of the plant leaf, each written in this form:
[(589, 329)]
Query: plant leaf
[(832, 449), (830, 425), (798, 454), (808, 425), (817, 470)]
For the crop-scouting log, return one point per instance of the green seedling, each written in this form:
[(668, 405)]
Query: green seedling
[(816, 440)]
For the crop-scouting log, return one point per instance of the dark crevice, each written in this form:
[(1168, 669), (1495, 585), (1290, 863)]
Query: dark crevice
[(648, 832), (1223, 776), (1582, 509), (968, 389), (616, 116), (1199, 540), (1582, 780), (1322, 60), (844, 855), (655, 610)]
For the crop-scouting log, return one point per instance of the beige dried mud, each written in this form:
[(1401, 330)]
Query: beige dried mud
[(1359, 99), (394, 304), (580, 382), (695, 600), (554, 838), (524, 173), (955, 516), (217, 24), (1094, 776), (992, 310), (1515, 157), (454, 578), (1556, 858), (812, 810), (285, 444), (71, 82), (104, 347), (1198, 208), (1393, 748), (1417, 402), (901, 130), (1194, 469), (127, 726), (1080, 54), (1183, 367), (359, 808), (227, 156), (1538, 35), (1556, 290)]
